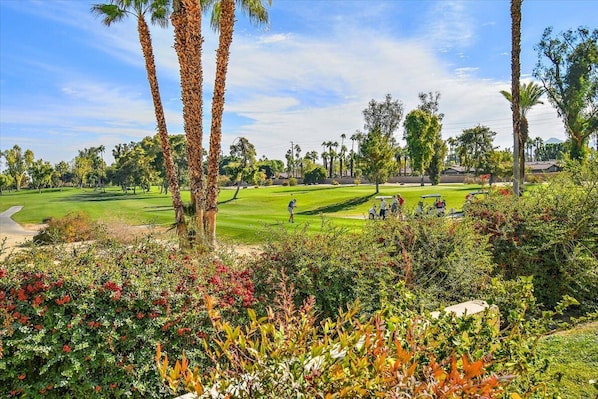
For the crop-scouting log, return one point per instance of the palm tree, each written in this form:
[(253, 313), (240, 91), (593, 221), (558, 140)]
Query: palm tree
[(529, 95), (116, 11), (223, 20), (538, 143), (515, 93), (186, 19)]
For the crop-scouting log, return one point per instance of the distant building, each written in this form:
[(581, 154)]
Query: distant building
[(543, 166), (454, 170)]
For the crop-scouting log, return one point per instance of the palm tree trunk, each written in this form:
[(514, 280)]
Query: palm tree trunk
[(515, 102), (150, 66), (186, 20), (227, 22)]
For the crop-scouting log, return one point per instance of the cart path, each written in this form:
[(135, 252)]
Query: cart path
[(10, 227)]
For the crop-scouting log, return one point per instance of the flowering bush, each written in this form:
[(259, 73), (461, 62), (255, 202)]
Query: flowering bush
[(86, 322)]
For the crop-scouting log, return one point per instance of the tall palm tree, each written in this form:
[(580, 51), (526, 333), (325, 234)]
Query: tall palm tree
[(529, 95), (186, 19), (223, 20), (515, 94), (116, 11)]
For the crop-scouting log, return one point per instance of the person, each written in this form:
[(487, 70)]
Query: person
[(420, 208), (292, 206), (372, 212), (394, 205), (383, 206), (401, 201)]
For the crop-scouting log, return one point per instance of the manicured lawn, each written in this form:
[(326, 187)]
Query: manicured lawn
[(241, 220)]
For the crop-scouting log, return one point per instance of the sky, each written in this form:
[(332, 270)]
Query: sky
[(68, 82)]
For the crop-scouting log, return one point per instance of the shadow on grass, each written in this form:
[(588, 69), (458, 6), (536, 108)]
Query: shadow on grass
[(339, 206), (96, 196)]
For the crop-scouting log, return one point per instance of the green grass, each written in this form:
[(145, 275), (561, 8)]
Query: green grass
[(573, 358), (240, 220)]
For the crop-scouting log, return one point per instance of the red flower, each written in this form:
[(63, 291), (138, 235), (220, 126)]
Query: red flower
[(21, 295), (98, 388), (22, 376), (66, 348), (140, 315), (37, 301)]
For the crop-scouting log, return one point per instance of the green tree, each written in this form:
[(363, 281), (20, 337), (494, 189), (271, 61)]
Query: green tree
[(5, 182), (384, 116), (17, 163), (568, 68), (62, 173), (376, 157), (475, 148), (40, 172), (244, 167), (159, 10), (529, 95), (430, 104), (421, 133), (82, 167)]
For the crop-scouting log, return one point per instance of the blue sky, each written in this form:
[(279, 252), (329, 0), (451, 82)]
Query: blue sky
[(67, 82)]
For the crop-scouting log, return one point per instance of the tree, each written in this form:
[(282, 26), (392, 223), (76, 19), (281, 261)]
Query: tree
[(186, 20), (40, 172), (529, 95), (421, 133), (115, 11), (384, 116), (437, 162), (430, 104), (376, 156), (243, 168), (223, 20), (475, 148), (376, 147), (515, 94), (568, 68), (17, 163), (61, 173)]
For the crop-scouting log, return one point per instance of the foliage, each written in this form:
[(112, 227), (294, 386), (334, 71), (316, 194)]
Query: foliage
[(72, 227), (475, 148), (376, 157), (292, 181), (568, 68), (85, 322), (384, 116), (441, 261), (315, 175), (390, 354), (549, 234), (288, 354), (421, 133)]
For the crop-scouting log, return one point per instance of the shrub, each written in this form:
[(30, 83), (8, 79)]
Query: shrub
[(315, 175), (549, 233), (334, 266), (267, 182), (357, 181), (86, 322), (388, 355), (73, 227), (443, 261), (292, 181)]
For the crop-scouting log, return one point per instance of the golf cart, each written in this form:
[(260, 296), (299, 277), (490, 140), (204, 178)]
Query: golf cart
[(431, 204)]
